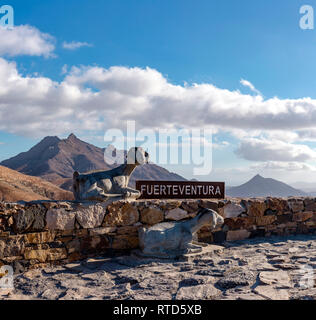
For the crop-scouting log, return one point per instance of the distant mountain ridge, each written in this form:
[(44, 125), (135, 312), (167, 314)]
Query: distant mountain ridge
[(259, 186), (55, 160)]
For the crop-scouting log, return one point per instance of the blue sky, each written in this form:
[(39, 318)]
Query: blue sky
[(217, 43)]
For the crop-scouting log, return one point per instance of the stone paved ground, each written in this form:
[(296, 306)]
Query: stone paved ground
[(275, 268)]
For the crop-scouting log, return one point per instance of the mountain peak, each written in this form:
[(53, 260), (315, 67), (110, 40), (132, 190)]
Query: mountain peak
[(259, 186), (257, 177), (72, 137), (49, 140)]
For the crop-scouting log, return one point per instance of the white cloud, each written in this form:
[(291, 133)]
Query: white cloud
[(94, 98), (249, 85), (25, 40), (220, 145), (75, 45), (274, 150), (64, 69), (153, 101), (284, 166)]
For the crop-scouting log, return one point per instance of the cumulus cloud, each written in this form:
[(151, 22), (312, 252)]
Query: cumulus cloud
[(95, 98), (249, 85), (25, 40), (147, 96), (273, 150), (73, 45)]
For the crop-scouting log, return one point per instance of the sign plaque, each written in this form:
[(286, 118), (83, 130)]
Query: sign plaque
[(180, 189)]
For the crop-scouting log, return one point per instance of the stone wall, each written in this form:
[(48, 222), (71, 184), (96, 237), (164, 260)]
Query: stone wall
[(39, 233)]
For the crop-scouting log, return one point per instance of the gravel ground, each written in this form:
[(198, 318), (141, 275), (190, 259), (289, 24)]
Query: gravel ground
[(274, 268)]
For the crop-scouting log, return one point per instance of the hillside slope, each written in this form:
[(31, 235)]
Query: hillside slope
[(15, 186)]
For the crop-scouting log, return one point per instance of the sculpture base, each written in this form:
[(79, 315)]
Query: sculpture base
[(206, 250)]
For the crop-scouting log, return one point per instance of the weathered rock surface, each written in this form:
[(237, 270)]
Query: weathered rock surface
[(236, 278), (23, 220), (121, 215), (296, 205), (176, 214), (90, 216), (151, 216), (218, 276), (198, 292), (279, 279), (272, 293), (233, 210), (60, 219), (255, 208)]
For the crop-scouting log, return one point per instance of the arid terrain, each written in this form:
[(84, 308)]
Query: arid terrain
[(275, 268), (15, 186)]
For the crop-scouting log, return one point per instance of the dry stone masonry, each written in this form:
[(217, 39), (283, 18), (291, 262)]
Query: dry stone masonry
[(38, 233)]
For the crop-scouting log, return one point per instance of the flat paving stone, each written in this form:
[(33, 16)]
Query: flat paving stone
[(260, 269)]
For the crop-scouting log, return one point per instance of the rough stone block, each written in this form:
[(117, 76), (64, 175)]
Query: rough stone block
[(284, 218), (23, 220), (176, 214), (302, 216), (169, 205), (121, 215), (39, 218), (60, 219), (265, 220), (199, 292), (90, 216), (151, 215), (271, 293), (239, 223), (190, 206), (296, 205), (255, 208), (46, 255), (132, 230), (278, 206), (39, 237), (12, 246), (232, 210), (102, 230), (209, 204), (310, 204)]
